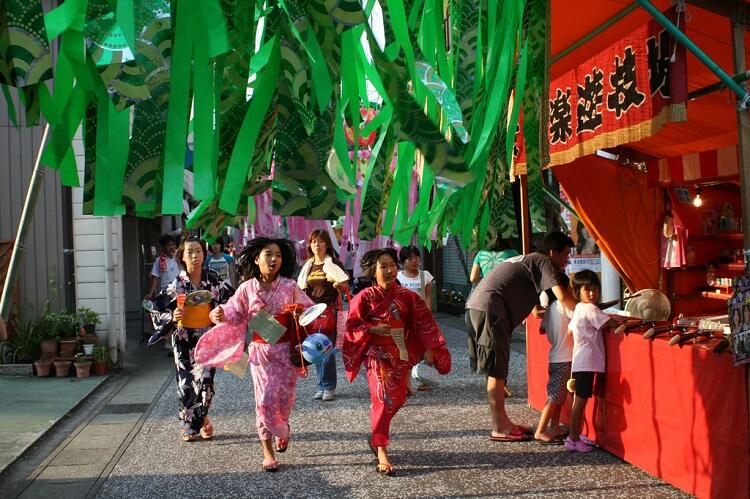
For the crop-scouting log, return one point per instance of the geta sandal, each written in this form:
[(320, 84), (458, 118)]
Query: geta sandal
[(385, 469)]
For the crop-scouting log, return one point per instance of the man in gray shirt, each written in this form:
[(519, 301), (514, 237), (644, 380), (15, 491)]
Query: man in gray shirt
[(501, 301)]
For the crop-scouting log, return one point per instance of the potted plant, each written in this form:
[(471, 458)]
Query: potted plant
[(43, 367), (83, 367), (66, 327), (46, 327), (61, 368), (25, 342), (101, 361), (88, 320)]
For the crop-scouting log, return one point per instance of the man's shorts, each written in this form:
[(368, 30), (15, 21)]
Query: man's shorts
[(559, 373), (584, 384), (489, 343)]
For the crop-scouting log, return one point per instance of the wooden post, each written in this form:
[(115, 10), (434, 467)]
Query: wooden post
[(743, 144), (525, 215)]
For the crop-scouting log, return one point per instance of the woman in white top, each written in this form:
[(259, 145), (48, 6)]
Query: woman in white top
[(419, 281), (323, 277)]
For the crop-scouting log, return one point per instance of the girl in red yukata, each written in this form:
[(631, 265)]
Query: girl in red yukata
[(269, 264), (389, 330)]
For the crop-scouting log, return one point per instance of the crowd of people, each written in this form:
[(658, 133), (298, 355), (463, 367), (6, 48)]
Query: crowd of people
[(389, 328)]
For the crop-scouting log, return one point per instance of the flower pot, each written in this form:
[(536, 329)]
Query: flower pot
[(49, 348), (61, 368), (68, 348), (100, 367), (43, 368), (89, 338), (83, 369), (88, 348)]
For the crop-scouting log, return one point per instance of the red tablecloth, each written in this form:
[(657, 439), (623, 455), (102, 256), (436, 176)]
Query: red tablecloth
[(680, 414)]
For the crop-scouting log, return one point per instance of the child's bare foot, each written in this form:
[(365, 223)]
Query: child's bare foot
[(558, 432), (546, 438)]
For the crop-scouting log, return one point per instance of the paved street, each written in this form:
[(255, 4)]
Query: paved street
[(439, 445)]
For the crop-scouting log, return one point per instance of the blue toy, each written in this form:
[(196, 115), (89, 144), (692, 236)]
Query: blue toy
[(316, 348)]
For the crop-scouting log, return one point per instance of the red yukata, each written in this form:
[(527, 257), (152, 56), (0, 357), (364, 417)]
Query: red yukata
[(387, 374)]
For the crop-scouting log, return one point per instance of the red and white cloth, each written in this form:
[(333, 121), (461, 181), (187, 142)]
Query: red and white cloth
[(691, 168)]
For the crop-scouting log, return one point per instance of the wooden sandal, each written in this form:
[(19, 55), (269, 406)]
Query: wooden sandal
[(385, 469)]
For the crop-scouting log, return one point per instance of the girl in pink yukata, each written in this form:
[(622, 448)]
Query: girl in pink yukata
[(269, 264), (588, 351)]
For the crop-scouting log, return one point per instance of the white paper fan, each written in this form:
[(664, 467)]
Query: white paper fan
[(651, 305)]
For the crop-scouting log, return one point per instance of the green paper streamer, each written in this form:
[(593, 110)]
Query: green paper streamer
[(179, 106)]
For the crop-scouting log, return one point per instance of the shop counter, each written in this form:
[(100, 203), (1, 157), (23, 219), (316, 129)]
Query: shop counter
[(680, 414)]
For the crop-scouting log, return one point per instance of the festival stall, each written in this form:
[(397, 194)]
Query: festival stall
[(680, 412)]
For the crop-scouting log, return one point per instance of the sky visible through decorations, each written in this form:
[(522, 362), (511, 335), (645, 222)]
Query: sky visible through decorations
[(406, 110)]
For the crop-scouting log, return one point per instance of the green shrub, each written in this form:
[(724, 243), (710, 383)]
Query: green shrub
[(26, 341), (88, 316)]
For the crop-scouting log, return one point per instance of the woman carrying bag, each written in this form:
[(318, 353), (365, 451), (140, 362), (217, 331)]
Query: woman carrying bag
[(323, 278)]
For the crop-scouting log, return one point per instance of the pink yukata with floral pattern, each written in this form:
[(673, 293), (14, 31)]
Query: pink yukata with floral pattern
[(274, 376)]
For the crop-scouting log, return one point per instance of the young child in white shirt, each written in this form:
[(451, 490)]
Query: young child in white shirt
[(555, 327), (588, 351)]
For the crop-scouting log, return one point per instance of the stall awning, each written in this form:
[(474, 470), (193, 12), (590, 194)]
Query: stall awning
[(717, 164), (712, 120)]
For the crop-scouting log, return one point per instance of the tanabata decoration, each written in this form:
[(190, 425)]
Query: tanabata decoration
[(206, 104)]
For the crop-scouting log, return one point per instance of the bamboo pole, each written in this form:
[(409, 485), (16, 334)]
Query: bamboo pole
[(37, 176)]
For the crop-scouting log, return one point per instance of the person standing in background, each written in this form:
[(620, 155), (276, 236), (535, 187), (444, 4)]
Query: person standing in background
[(411, 277), (222, 263), (165, 269), (322, 277), (486, 260)]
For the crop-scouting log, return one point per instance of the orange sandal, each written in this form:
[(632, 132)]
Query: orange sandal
[(385, 469)]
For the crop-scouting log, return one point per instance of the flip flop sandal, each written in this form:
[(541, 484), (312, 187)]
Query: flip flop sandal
[(514, 436), (524, 429), (270, 465), (385, 469)]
